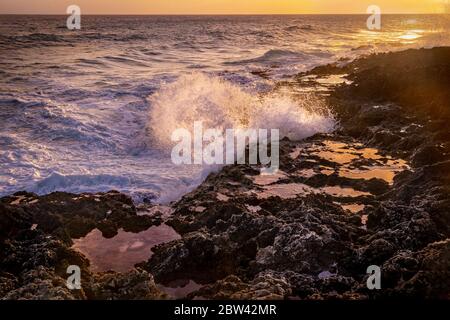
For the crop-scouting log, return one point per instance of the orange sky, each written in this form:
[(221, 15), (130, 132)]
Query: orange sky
[(219, 6)]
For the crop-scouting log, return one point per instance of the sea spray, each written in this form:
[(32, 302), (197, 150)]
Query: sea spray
[(222, 105), (227, 149)]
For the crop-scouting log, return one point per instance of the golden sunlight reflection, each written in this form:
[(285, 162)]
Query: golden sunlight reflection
[(410, 35), (123, 251), (397, 36)]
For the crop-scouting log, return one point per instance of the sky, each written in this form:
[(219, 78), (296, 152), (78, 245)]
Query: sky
[(219, 6)]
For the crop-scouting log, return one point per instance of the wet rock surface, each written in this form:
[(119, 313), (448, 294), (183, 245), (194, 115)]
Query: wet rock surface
[(35, 248), (375, 192)]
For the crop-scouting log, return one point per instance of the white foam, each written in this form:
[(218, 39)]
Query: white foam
[(220, 104)]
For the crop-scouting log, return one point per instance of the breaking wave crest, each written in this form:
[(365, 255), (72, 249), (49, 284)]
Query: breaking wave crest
[(220, 104)]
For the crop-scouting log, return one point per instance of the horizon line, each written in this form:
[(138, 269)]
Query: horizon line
[(218, 14)]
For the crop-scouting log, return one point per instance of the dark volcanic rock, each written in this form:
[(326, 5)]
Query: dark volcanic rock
[(70, 216), (35, 242), (265, 286), (134, 285)]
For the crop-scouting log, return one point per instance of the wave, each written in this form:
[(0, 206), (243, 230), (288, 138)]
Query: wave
[(306, 27), (272, 56), (56, 125), (79, 183), (278, 57), (36, 37), (222, 105), (31, 40), (126, 61)]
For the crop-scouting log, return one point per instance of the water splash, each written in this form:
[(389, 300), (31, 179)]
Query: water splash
[(222, 105)]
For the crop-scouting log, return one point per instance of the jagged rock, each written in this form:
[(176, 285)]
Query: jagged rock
[(134, 285), (265, 286), (71, 216), (35, 244), (42, 283)]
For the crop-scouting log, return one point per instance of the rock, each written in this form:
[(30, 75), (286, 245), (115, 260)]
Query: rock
[(35, 240), (134, 285), (12, 221), (42, 284), (200, 257), (265, 286), (424, 273), (376, 252), (71, 216), (427, 155), (8, 283)]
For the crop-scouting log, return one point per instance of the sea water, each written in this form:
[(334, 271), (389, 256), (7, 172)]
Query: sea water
[(93, 109)]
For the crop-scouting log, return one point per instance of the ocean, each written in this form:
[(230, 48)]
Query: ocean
[(92, 110)]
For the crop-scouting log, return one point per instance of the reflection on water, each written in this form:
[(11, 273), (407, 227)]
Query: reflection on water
[(354, 208), (353, 161), (348, 160), (337, 157), (327, 171), (180, 288), (285, 191), (406, 35), (344, 192), (379, 166), (337, 152), (293, 190), (384, 173), (123, 251), (410, 35), (266, 179)]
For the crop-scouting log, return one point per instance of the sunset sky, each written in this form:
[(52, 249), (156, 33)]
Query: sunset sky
[(219, 6)]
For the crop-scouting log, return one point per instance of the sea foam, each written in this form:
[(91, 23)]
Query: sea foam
[(222, 105)]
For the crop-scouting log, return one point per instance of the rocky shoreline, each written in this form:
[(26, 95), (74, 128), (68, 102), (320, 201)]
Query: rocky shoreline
[(374, 192)]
